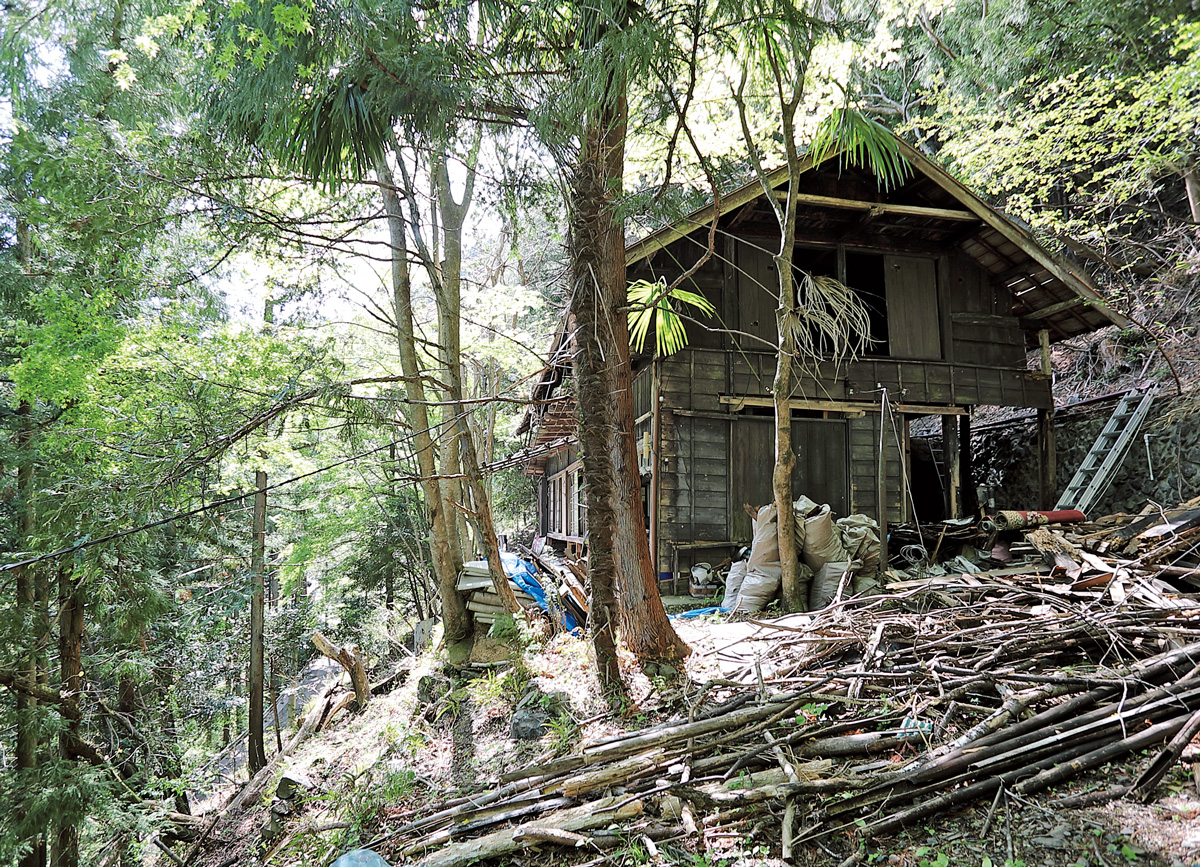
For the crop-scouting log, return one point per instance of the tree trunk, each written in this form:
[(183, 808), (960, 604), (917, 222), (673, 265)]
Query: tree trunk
[(26, 580), (787, 318), (455, 618), (1191, 184), (794, 596), (70, 662), (351, 660), (453, 215), (645, 628), (595, 233), (257, 754)]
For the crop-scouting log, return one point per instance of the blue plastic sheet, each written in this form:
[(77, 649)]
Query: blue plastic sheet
[(698, 612), (360, 858), (524, 575)]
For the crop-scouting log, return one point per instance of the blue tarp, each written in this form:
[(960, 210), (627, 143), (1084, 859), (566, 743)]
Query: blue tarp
[(524, 575), (698, 612)]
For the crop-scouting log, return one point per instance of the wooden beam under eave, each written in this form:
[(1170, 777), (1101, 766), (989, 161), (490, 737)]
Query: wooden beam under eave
[(737, 402), (881, 207)]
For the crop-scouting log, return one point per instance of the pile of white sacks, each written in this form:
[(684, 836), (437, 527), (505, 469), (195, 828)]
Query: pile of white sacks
[(831, 552)]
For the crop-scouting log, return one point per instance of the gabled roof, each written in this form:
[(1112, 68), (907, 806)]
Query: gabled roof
[(934, 208)]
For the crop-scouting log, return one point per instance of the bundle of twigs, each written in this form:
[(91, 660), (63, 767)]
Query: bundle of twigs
[(985, 686)]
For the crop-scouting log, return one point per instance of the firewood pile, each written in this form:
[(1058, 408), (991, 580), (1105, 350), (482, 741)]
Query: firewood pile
[(870, 715)]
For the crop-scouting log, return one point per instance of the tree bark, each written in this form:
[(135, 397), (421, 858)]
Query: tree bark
[(794, 592), (1191, 184), (645, 628), (594, 234), (455, 618), (256, 751), (350, 660), (26, 579)]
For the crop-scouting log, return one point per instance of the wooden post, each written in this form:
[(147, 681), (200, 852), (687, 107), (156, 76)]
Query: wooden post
[(655, 466), (953, 460), (970, 497), (256, 752), (881, 489), (1047, 445)]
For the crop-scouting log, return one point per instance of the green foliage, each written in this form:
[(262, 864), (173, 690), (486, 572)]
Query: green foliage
[(656, 303), (857, 140)]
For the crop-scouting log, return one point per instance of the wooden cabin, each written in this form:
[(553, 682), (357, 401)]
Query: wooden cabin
[(958, 294)]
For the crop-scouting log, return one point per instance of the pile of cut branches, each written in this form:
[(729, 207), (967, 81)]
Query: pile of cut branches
[(872, 714)]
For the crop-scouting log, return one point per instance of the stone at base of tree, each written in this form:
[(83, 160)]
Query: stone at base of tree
[(293, 783), (459, 653), (660, 669), (528, 725), (360, 858), (432, 688)]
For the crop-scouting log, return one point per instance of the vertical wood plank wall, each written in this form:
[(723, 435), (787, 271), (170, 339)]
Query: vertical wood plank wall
[(710, 459)]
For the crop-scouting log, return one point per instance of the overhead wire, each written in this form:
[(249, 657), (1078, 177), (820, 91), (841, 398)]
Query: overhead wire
[(207, 507)]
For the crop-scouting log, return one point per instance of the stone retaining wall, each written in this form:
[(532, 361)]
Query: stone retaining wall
[(1005, 458)]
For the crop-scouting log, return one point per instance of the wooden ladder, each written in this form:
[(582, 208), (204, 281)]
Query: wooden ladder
[(1100, 466)]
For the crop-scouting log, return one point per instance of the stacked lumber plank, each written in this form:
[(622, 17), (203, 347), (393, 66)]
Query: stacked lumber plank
[(567, 578), (876, 712), (484, 602)]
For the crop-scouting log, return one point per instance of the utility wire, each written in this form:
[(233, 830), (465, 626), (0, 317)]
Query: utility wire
[(188, 514)]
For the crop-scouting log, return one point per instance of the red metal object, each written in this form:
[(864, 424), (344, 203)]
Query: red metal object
[(1018, 520)]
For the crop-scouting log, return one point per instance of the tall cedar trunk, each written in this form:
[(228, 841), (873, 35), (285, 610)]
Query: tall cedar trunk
[(70, 663), (455, 618), (645, 629), (595, 234), (450, 470), (257, 754), (453, 215), (26, 580)]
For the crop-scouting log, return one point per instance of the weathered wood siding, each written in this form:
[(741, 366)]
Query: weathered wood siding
[(694, 482), (821, 472), (914, 327), (864, 467), (951, 341), (983, 327)]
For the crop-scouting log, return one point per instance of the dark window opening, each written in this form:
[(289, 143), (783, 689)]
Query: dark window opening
[(865, 275)]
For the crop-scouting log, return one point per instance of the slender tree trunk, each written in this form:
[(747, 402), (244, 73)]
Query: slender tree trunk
[(1191, 184), (455, 618), (453, 216), (70, 662), (787, 318), (26, 581), (785, 457), (257, 754)]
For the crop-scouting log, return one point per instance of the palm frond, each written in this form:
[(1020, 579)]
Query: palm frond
[(860, 142), (653, 305), (829, 321), (339, 129)]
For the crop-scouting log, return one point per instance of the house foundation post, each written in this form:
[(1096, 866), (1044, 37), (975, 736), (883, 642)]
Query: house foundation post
[(1047, 445), (953, 460)]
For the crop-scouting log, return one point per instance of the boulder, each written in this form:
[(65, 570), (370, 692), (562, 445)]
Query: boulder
[(528, 725)]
